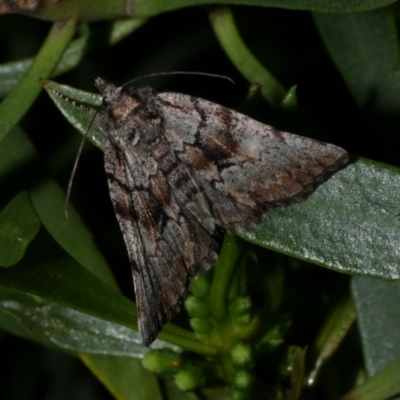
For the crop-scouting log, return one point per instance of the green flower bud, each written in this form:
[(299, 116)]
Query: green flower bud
[(242, 355), (189, 378), (240, 306), (200, 325), (238, 394), (204, 337), (197, 307), (200, 287), (242, 321), (243, 380), (162, 361)]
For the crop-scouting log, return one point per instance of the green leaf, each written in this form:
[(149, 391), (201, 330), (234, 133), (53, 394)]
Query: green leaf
[(91, 10), (67, 329), (124, 377), (293, 366), (349, 224), (335, 328), (382, 386), (378, 316), (365, 50), (18, 102), (11, 73), (77, 116), (47, 271), (153, 7), (21, 169), (19, 224)]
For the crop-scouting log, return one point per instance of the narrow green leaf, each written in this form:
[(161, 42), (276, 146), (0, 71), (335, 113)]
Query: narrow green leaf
[(293, 367), (12, 72), (290, 102), (67, 329), (21, 169), (335, 328), (18, 102), (124, 377), (19, 224), (78, 117), (47, 271), (237, 51), (104, 9)]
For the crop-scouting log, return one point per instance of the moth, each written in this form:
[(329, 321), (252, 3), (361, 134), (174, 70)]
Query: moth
[(177, 166)]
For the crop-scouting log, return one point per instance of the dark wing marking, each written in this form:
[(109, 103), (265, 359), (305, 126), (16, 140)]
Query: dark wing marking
[(168, 242), (245, 168)]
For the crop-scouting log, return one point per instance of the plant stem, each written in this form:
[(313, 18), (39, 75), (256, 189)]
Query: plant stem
[(230, 252), (244, 60)]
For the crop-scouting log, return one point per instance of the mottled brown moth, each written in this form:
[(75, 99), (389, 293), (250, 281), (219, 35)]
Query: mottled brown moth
[(179, 165)]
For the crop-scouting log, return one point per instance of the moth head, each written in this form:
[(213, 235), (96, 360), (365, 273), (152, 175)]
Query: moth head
[(108, 90)]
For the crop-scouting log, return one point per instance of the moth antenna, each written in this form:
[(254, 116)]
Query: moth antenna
[(77, 158), (179, 73)]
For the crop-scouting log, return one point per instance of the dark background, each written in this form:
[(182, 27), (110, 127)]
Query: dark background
[(286, 42)]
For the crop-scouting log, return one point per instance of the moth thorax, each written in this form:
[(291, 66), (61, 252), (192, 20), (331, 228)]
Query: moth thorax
[(122, 108)]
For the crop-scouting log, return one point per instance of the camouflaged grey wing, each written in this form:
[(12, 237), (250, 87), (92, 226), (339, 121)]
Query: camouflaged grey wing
[(244, 167), (164, 219)]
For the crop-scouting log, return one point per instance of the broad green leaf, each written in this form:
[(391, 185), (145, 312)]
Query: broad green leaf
[(124, 377), (349, 224), (378, 316), (12, 72), (90, 10), (19, 224), (18, 102), (378, 319), (156, 6), (364, 47)]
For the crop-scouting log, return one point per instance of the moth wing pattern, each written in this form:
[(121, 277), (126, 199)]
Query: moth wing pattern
[(244, 167), (168, 244), (178, 165)]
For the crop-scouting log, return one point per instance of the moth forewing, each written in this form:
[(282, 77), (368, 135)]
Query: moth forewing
[(179, 165)]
